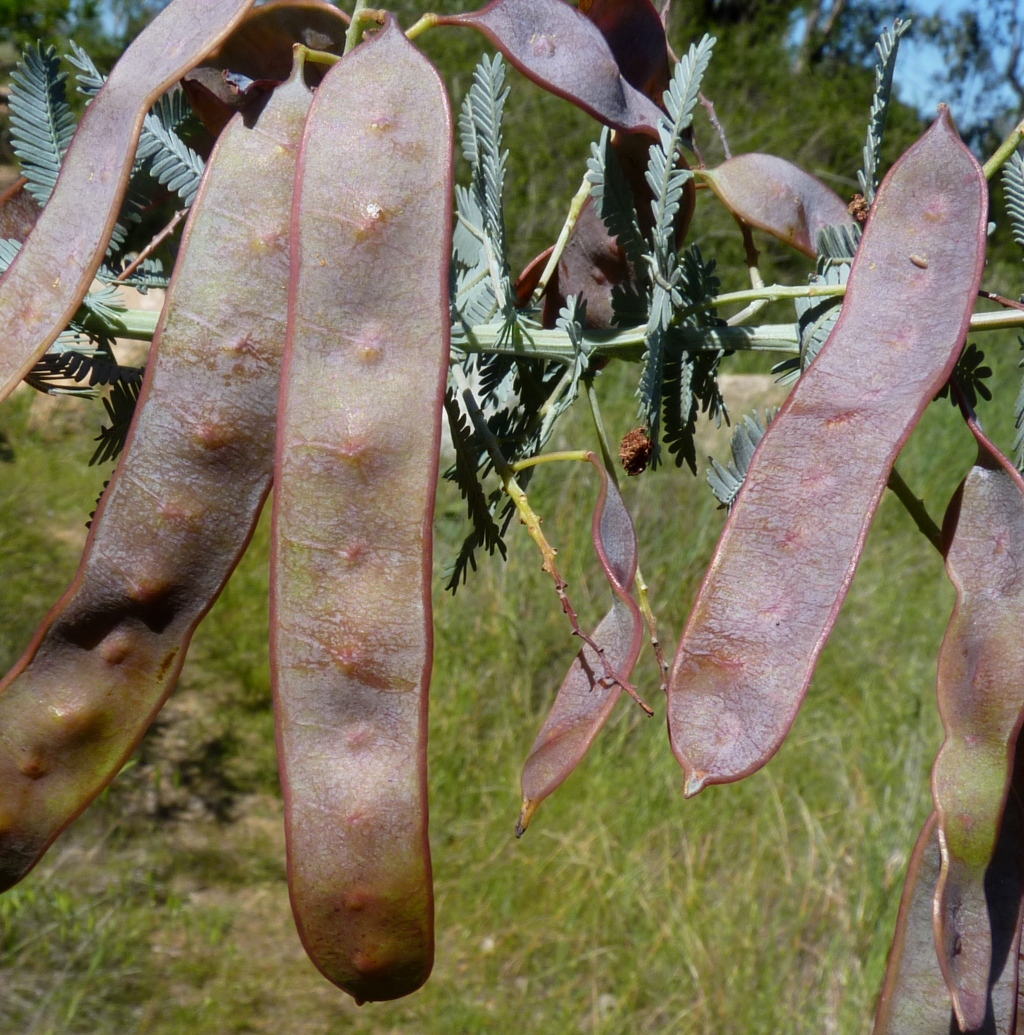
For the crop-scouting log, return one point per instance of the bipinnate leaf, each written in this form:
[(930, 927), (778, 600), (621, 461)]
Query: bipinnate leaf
[(563, 51), (980, 679), (791, 545), (915, 999), (51, 274), (357, 462), (181, 505), (586, 698), (779, 198)]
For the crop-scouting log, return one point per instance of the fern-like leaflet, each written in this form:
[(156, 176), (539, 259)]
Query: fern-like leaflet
[(42, 122), (887, 47), (667, 183), (726, 480)]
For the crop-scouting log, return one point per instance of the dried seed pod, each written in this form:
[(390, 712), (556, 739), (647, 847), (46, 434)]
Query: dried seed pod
[(358, 441), (779, 198), (790, 547), (51, 274), (636, 36), (260, 49), (563, 51), (915, 999), (586, 698), (980, 678), (181, 506)]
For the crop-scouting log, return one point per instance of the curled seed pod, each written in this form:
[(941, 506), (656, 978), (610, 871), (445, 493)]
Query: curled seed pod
[(586, 698), (777, 197), (358, 443), (636, 36), (980, 677), (790, 547), (182, 503), (915, 999), (260, 49), (18, 212), (563, 51), (45, 284)]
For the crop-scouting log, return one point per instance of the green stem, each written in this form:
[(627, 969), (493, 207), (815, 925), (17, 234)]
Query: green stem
[(576, 455), (575, 207), (916, 509), (318, 57), (1003, 152), (362, 15), (427, 21)]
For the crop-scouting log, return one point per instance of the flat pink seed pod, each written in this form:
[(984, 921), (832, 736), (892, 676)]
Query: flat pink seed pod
[(915, 999), (585, 699), (792, 542), (44, 286), (980, 683), (358, 444), (779, 198), (181, 505), (562, 50)]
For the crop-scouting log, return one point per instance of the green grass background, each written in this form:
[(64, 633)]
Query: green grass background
[(761, 907)]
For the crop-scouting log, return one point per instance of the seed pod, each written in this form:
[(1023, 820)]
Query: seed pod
[(636, 37), (18, 212), (46, 283), (779, 198), (915, 999), (181, 506), (260, 49), (586, 698), (980, 679), (790, 547), (563, 51), (358, 442)]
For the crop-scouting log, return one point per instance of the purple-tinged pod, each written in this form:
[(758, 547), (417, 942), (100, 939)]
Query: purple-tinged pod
[(563, 51), (18, 212), (51, 274), (586, 698), (915, 999), (358, 442), (260, 50), (636, 36), (182, 503), (981, 701), (777, 197), (795, 534)]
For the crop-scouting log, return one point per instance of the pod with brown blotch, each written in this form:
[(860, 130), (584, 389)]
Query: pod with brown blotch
[(778, 197), (915, 999), (795, 534), (182, 503), (636, 36), (260, 49), (563, 51), (980, 684), (358, 445), (18, 212), (45, 284), (586, 698)]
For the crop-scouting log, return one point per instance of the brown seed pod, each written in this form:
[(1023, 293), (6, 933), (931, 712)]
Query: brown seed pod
[(358, 445), (181, 505), (791, 545), (51, 274)]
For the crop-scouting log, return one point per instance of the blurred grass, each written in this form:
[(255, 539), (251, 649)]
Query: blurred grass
[(760, 907)]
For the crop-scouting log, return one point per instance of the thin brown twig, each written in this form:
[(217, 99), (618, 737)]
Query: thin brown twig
[(1007, 303), (709, 106), (532, 522), (152, 246)]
